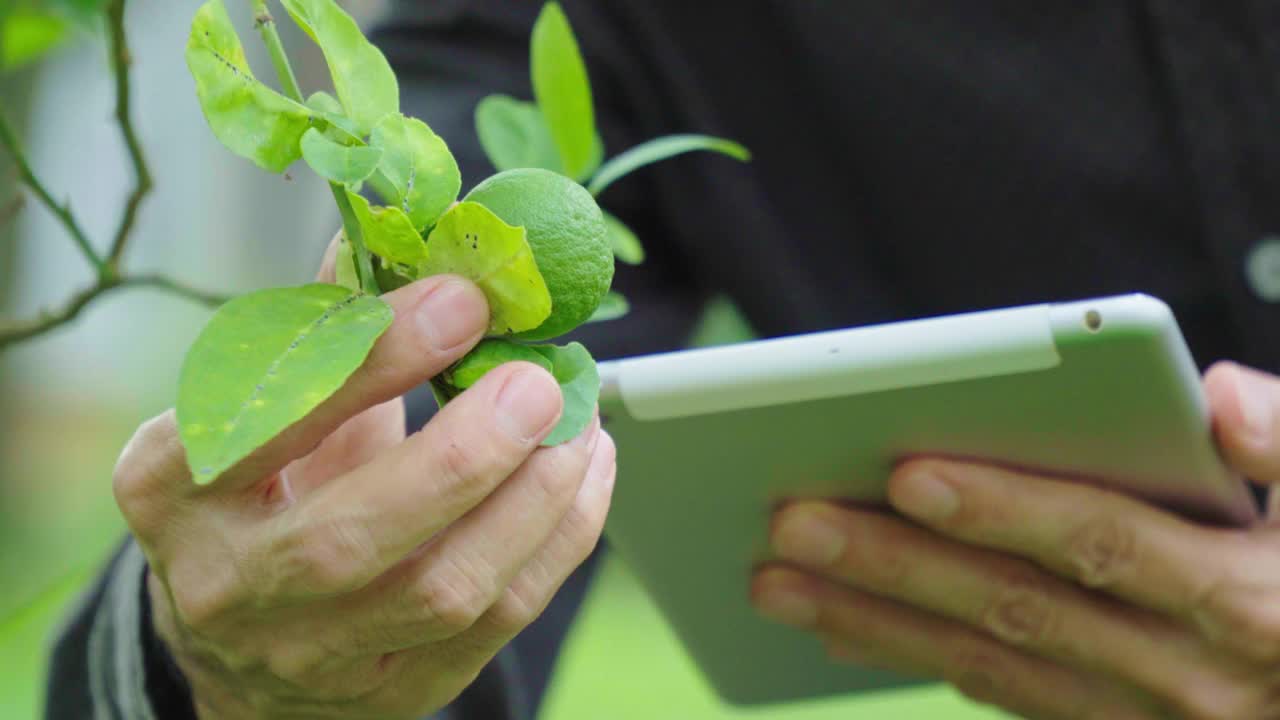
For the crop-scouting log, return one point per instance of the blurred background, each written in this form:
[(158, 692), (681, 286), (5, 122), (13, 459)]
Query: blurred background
[(71, 399)]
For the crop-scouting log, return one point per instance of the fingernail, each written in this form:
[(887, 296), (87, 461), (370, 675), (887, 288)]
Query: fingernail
[(451, 314), (1256, 408), (786, 606), (527, 404), (808, 538), (926, 496)]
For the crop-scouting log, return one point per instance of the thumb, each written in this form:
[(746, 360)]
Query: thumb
[(1245, 404)]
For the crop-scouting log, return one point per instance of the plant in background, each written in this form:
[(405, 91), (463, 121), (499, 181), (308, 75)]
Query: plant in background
[(531, 237)]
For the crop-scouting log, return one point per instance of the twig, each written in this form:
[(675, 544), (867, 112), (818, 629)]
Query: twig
[(118, 48), (61, 212), (47, 320), (284, 72)]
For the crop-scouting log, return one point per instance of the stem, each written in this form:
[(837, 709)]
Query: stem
[(351, 228), (120, 62), (47, 320), (284, 72), (62, 212), (267, 29)]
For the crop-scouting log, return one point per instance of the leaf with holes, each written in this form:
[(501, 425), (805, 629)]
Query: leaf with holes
[(363, 79), (418, 173), (472, 242), (265, 361), (334, 161), (251, 119)]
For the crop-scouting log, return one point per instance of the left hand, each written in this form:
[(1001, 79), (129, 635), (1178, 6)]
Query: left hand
[(1048, 598)]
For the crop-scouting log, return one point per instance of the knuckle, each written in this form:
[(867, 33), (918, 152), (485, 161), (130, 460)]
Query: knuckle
[(451, 601), (1020, 610), (454, 462), (135, 476), (294, 663), (325, 557), (1103, 551), (1245, 619), (201, 605), (514, 612)]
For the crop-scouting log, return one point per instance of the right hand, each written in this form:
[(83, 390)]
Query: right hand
[(344, 570)]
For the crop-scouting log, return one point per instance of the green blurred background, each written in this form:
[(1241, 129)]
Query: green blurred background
[(69, 401)]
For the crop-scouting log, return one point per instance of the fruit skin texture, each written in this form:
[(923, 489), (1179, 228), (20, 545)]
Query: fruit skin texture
[(566, 230)]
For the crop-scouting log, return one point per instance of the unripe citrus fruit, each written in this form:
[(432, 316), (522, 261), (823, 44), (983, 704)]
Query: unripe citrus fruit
[(566, 230)]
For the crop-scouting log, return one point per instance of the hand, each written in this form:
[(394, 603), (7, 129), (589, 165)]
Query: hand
[(1051, 599), (344, 570)]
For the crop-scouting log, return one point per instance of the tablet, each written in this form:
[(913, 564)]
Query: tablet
[(709, 441)]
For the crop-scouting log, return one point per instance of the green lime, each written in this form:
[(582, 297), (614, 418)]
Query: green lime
[(566, 230)]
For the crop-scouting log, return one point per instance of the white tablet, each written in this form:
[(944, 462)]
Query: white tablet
[(709, 441)]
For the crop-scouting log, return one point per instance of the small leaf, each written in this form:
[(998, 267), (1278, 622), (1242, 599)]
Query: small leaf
[(418, 173), (472, 242), (514, 135), (344, 266), (388, 232), (343, 164), (251, 119), (612, 307), (579, 379), (264, 362), (661, 149), (361, 75), (327, 106), (563, 91), (489, 354), (626, 246)]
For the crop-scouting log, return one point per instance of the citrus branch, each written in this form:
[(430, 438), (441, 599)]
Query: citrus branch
[(109, 275), (120, 59)]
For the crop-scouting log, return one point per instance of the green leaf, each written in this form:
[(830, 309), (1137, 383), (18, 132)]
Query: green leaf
[(626, 246), (418, 173), (327, 106), (661, 149), (344, 266), (340, 163), (514, 135), (251, 119), (264, 362), (26, 34), (579, 379), (489, 354), (472, 242), (361, 75), (612, 307), (388, 232), (563, 91)]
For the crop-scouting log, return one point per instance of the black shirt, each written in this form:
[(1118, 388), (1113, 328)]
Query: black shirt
[(911, 158)]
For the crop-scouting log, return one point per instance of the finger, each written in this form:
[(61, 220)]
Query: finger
[(1097, 538), (358, 441), (328, 263), (464, 570), (862, 629), (1016, 602), (529, 593), (1244, 404), (355, 527), (437, 320), (574, 539), (152, 463)]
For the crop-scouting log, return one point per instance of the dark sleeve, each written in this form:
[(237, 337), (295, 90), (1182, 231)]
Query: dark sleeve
[(107, 663)]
